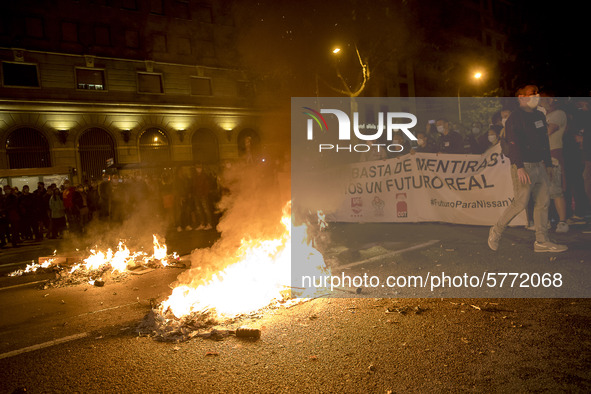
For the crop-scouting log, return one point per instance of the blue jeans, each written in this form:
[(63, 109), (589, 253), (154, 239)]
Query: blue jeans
[(539, 190)]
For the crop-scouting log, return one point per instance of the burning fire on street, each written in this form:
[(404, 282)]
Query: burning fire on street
[(93, 269), (259, 277)]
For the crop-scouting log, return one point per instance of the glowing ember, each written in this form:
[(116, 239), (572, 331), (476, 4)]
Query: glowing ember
[(259, 277)]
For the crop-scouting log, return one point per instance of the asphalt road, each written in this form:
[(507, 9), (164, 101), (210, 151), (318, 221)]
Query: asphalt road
[(377, 341)]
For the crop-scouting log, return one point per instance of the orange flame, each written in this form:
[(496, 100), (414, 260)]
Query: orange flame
[(259, 277)]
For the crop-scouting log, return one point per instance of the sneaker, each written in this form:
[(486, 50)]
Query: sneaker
[(179, 229), (188, 228), (549, 247), (201, 227), (562, 227), (208, 227), (493, 239), (575, 220)]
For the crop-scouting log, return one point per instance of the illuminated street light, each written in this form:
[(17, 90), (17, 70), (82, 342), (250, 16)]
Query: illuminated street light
[(336, 50), (477, 76)]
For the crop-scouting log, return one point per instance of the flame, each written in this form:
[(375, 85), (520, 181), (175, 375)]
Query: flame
[(123, 258), (33, 267), (259, 277), (160, 252)]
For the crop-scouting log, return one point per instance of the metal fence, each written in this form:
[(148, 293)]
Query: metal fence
[(95, 146), (27, 148)]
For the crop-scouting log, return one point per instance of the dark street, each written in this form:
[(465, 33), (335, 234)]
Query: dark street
[(84, 338)]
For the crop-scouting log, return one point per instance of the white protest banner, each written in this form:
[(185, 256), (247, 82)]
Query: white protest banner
[(428, 187)]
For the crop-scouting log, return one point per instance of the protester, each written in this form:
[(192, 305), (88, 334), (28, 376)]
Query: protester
[(183, 200), (81, 204), (572, 148), (201, 192), (529, 152), (42, 208), (28, 214), (557, 123), (4, 223), (449, 141), (424, 144), (12, 212), (401, 146), (471, 143), (105, 196), (58, 214), (491, 137)]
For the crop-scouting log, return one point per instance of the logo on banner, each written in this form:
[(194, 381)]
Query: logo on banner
[(391, 122), (378, 206), (356, 205), (401, 206)]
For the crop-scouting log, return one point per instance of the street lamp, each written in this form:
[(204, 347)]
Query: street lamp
[(336, 50), (476, 76)]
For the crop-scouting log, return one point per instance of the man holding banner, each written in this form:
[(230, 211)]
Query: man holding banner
[(531, 167)]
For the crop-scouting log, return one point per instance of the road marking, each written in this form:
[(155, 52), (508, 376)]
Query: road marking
[(23, 284), (394, 253), (17, 264), (44, 345), (108, 309)]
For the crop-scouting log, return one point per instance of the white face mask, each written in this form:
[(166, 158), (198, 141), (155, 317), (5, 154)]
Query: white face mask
[(534, 101), (492, 139), (475, 130), (440, 129)]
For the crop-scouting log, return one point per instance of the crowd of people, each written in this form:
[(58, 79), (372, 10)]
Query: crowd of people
[(183, 198), (568, 124)]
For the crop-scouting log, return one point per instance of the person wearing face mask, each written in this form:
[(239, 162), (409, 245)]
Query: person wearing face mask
[(471, 143), (424, 144), (491, 138), (531, 167), (400, 141), (449, 141)]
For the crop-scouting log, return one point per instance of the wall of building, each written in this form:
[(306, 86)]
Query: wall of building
[(180, 47)]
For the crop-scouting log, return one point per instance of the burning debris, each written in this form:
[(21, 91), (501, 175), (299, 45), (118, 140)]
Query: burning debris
[(259, 278), (33, 267), (101, 266)]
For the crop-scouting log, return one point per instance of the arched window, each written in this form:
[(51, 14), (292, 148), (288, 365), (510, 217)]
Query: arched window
[(249, 146), (205, 147), (95, 146), (27, 148), (154, 146)]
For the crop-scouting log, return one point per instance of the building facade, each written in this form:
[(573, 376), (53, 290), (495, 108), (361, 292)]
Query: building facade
[(92, 86)]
